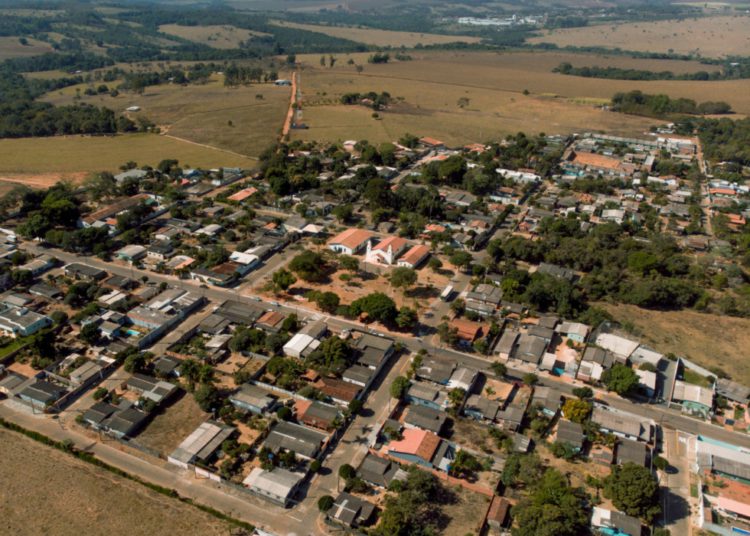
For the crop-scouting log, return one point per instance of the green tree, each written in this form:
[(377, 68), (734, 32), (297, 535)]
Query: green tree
[(377, 305), (343, 213), (347, 262), (135, 363), (207, 396), (283, 279), (530, 378), (621, 379), (310, 266), (325, 503), (577, 410), (461, 259), (465, 464), (406, 318), (347, 472), (90, 333), (434, 264), (399, 387), (403, 277), (583, 392), (456, 397), (633, 490), (498, 369), (447, 334), (552, 509)]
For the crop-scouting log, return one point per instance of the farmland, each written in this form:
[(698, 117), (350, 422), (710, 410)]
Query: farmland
[(98, 503), (382, 38), (223, 37), (708, 37), (427, 103), (74, 156), (709, 340), (244, 120)]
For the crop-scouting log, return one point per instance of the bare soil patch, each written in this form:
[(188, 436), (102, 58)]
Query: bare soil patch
[(167, 430), (709, 340)]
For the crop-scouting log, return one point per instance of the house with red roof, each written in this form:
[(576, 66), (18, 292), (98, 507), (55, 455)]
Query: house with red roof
[(422, 448), (414, 257)]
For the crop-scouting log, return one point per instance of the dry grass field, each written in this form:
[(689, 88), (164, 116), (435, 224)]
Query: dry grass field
[(467, 513), (494, 85), (73, 156), (709, 37), (170, 426), (382, 38), (37, 498), (202, 113), (10, 47), (224, 37), (709, 340)]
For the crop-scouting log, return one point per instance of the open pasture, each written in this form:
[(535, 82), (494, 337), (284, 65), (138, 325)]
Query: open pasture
[(484, 97), (243, 120), (223, 37), (382, 38), (709, 37)]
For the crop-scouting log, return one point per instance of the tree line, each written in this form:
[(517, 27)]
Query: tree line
[(639, 103)]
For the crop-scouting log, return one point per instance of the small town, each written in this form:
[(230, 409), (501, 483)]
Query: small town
[(299, 345)]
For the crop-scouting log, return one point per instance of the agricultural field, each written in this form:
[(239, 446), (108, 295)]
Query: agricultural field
[(709, 340), (709, 37), (75, 156), (99, 503), (382, 38), (11, 47), (242, 120), (427, 103), (223, 37)]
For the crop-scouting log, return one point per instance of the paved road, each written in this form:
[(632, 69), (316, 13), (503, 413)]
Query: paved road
[(675, 483)]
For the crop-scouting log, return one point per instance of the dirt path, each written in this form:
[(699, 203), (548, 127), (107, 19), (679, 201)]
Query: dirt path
[(210, 147), (290, 113)]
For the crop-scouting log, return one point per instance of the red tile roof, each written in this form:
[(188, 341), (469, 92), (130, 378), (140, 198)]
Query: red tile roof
[(351, 238)]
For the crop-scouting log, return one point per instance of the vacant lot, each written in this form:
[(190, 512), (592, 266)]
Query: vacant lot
[(32, 160), (709, 340), (225, 37), (484, 98), (467, 513), (245, 120), (11, 47), (382, 38), (709, 37), (172, 424), (37, 498)]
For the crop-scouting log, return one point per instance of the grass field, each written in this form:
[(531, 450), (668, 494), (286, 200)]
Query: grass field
[(467, 513), (172, 425), (709, 340), (382, 38), (45, 491), (494, 84), (201, 113), (50, 159), (709, 37), (224, 37), (10, 47)]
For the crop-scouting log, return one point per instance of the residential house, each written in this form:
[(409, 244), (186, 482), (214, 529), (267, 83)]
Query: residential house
[(125, 422), (167, 366), (530, 349), (694, 399), (131, 253), (628, 451), (351, 511), (160, 252), (45, 291), (317, 414), (39, 265), (422, 448), (151, 388), (305, 442), (614, 522), (466, 330), (425, 418), (201, 445), (497, 515), (439, 372), (481, 409), (339, 391), (547, 399), (84, 272), (463, 378), (19, 321), (593, 364), (41, 393), (570, 433), (277, 485), (424, 394), (622, 424), (379, 471), (574, 331), (507, 344), (253, 399)]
